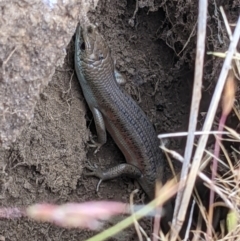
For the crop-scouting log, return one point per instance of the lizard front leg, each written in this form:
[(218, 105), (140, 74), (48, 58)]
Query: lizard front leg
[(113, 172), (101, 130)]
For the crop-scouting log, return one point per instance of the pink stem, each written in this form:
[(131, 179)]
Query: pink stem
[(214, 170), (11, 213)]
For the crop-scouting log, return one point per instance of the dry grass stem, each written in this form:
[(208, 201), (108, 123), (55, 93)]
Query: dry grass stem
[(197, 133), (189, 221), (229, 31), (136, 224), (201, 35)]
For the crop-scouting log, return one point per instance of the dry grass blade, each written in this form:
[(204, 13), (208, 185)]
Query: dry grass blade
[(202, 23), (139, 230), (189, 222), (230, 186), (178, 134), (236, 66), (208, 181), (208, 123)]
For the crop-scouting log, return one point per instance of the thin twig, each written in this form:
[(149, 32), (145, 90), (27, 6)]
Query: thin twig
[(8, 58), (208, 123), (202, 23), (188, 40), (131, 20)]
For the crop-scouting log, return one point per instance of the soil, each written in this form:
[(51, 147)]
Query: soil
[(46, 164)]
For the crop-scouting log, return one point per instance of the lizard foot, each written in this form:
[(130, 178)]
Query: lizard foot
[(94, 144), (96, 172)]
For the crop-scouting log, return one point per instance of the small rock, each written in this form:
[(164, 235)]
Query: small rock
[(2, 238)]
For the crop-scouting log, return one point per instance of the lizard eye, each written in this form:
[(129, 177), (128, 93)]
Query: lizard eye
[(90, 29), (82, 46)]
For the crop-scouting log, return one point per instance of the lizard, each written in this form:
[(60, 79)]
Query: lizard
[(116, 112)]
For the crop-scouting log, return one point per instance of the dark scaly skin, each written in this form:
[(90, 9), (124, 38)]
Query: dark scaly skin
[(114, 109)]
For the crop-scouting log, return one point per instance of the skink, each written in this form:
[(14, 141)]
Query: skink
[(115, 111)]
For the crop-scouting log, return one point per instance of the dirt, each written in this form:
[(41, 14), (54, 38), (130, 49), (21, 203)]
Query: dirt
[(46, 163), (33, 38)]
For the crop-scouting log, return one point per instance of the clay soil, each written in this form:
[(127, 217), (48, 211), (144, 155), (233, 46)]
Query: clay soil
[(46, 164)]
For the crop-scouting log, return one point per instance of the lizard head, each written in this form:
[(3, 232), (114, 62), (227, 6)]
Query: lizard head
[(92, 46)]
